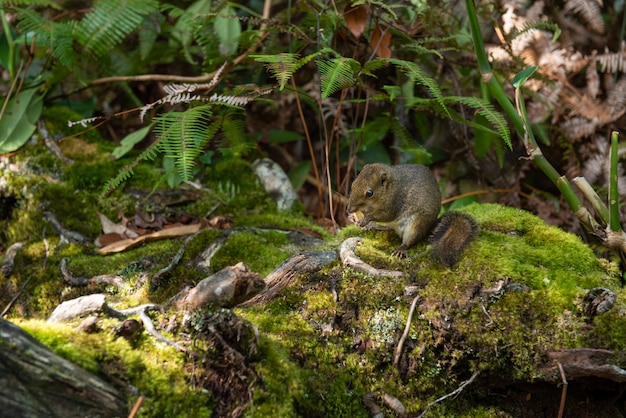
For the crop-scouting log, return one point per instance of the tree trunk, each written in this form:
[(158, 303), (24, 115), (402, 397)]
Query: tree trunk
[(35, 382)]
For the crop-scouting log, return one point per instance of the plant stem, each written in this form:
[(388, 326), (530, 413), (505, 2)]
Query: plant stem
[(614, 222), (520, 121), (10, 43)]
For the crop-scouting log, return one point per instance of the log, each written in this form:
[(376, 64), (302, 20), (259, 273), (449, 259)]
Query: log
[(35, 382)]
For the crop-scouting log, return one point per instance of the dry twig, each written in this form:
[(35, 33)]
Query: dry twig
[(451, 394)]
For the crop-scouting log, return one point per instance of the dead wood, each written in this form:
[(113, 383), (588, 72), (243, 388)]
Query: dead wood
[(113, 279), (584, 362), (35, 382), (228, 287), (306, 262), (65, 234), (351, 260), (9, 259)]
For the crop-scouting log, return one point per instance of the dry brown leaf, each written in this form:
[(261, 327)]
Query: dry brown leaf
[(110, 227), (356, 19), (172, 232), (380, 41)]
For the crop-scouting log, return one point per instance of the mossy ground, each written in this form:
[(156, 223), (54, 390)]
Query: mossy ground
[(515, 295)]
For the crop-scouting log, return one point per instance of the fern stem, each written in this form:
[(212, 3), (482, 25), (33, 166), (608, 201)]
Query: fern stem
[(614, 222)]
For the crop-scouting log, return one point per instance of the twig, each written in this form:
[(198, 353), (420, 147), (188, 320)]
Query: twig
[(563, 391), (453, 393), (173, 263), (351, 260), (66, 234), (52, 145), (14, 298), (135, 409), (147, 323), (405, 334), (180, 79), (113, 279)]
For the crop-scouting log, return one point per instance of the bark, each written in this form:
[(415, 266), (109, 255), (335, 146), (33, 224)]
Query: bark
[(35, 382), (586, 362), (304, 263)]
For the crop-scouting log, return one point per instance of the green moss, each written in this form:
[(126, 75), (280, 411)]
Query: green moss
[(260, 250), (303, 375), (514, 296), (156, 372)]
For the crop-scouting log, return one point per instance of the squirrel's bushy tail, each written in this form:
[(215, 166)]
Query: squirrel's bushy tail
[(453, 232)]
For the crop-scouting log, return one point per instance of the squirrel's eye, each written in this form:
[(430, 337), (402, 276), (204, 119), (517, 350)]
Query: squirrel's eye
[(369, 193)]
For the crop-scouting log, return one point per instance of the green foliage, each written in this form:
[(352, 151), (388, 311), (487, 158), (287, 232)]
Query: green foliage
[(337, 74), (17, 124), (117, 37), (283, 65)]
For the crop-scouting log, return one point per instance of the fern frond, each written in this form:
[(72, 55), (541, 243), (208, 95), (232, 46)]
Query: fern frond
[(538, 24), (56, 36), (337, 73), (370, 66), (18, 3), (613, 62), (115, 182), (182, 136), (483, 107), (408, 143), (590, 12), (236, 138), (125, 173), (281, 66), (231, 100), (490, 113), (110, 21), (416, 74), (420, 49)]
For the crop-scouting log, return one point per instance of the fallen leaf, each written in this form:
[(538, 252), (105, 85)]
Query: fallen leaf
[(356, 19), (380, 42), (110, 227), (172, 232)]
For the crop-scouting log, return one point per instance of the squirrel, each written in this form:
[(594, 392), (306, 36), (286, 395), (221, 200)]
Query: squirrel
[(407, 199)]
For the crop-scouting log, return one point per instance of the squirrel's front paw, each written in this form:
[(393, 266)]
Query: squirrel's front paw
[(399, 252)]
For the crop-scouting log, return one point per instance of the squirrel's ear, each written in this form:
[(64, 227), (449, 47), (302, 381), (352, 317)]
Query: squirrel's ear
[(383, 178)]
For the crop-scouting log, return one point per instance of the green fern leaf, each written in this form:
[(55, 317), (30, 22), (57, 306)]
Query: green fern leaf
[(379, 4), (483, 108), (282, 66), (182, 135), (487, 110), (236, 140), (408, 143), (371, 66), (110, 21), (18, 3), (337, 73), (419, 76), (536, 24)]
